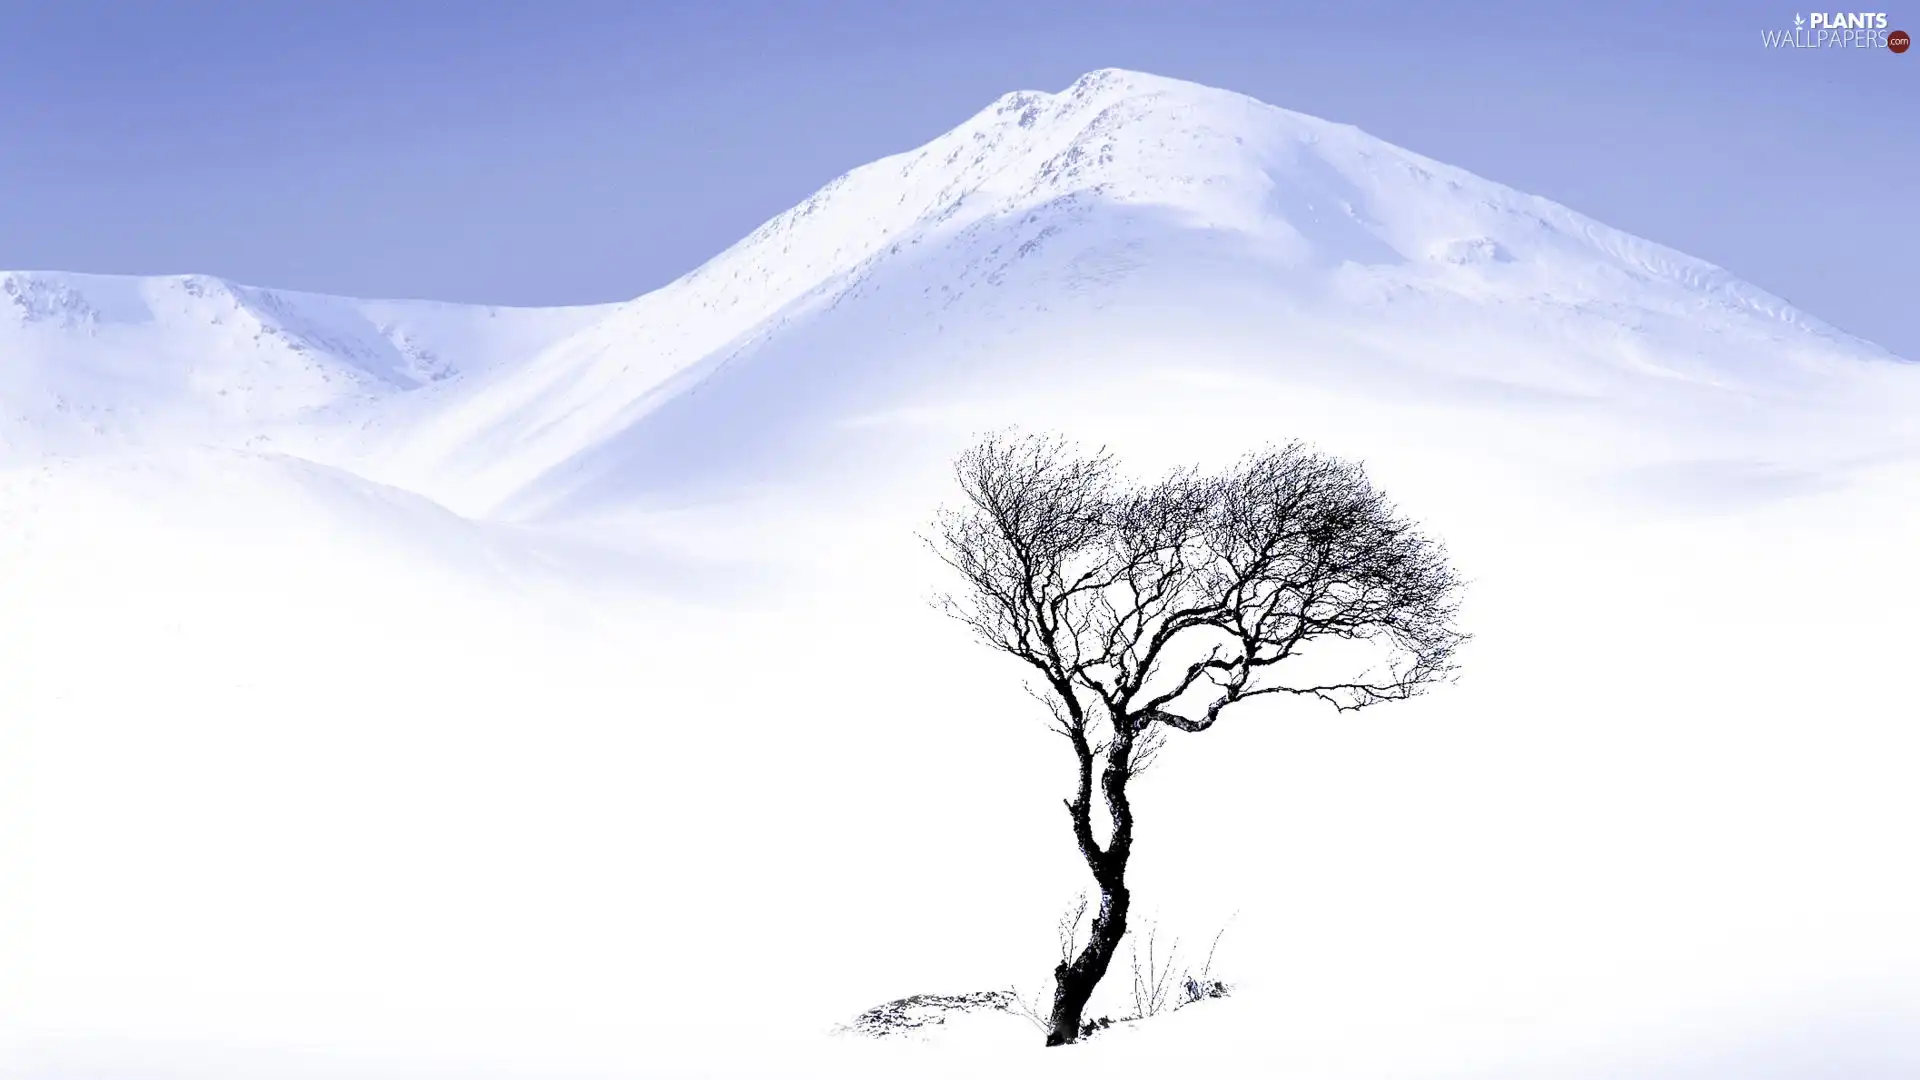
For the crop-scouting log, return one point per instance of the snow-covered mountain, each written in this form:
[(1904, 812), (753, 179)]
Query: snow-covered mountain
[(419, 689), (1128, 227), (1129, 224)]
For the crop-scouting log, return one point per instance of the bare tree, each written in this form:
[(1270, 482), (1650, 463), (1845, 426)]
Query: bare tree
[(1149, 609)]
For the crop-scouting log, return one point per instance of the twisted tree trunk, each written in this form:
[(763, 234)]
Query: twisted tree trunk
[(1074, 980)]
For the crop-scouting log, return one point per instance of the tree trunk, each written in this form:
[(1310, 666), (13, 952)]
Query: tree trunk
[(1074, 982)]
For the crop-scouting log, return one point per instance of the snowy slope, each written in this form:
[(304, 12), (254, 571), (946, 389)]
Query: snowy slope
[(86, 358), (1128, 224)]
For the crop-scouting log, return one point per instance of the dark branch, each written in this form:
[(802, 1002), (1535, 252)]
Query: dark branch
[(1163, 605)]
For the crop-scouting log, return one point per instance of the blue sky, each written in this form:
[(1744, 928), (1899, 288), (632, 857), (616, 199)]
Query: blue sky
[(576, 151)]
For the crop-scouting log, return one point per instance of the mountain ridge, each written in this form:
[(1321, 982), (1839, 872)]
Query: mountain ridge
[(1044, 225), (1314, 214), (127, 358)]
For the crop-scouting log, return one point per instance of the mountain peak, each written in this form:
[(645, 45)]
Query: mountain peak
[(1126, 215)]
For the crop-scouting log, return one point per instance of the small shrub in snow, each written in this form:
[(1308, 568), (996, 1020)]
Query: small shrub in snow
[(1198, 988), (1153, 979), (908, 1015), (1156, 986)]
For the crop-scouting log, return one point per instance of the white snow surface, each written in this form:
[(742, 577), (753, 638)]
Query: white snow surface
[(93, 359), (394, 688)]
